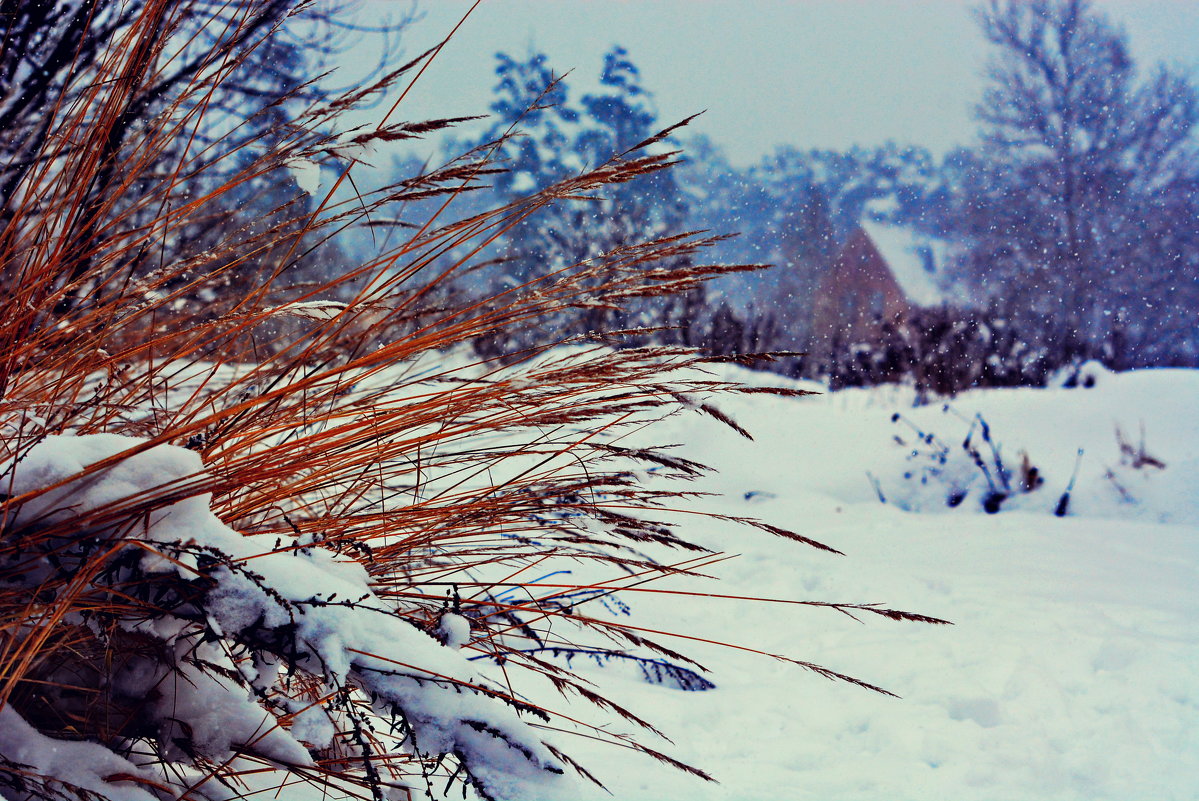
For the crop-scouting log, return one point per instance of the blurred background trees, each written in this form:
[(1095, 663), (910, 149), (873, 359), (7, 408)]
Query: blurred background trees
[(1079, 203), (539, 135), (50, 53), (1069, 231)]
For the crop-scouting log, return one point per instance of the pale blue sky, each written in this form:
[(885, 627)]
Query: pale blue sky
[(812, 73)]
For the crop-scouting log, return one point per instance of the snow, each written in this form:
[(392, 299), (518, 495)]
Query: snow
[(307, 175), (882, 207), (453, 630), (80, 764), (523, 182), (98, 479), (310, 309), (1072, 667), (910, 254), (1071, 670)]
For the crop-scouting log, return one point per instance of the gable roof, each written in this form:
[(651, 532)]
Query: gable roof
[(916, 260)]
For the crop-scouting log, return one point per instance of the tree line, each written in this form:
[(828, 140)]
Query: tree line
[(1072, 221)]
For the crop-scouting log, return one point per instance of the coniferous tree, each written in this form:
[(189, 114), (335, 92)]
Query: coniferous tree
[(541, 138), (532, 109), (617, 118)]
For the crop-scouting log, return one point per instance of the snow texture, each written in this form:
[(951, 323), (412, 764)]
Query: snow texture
[(449, 706), (83, 765), (311, 309), (307, 175), (453, 630), (1071, 672)]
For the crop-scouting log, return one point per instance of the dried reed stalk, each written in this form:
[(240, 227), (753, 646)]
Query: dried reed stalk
[(136, 301)]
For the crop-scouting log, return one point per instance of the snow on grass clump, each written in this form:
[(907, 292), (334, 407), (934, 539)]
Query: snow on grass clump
[(83, 765), (235, 615), (972, 471), (1109, 447)]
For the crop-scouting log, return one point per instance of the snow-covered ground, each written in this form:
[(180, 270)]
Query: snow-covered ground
[(1072, 670)]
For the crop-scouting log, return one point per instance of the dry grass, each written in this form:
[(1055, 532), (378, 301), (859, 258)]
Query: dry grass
[(325, 415)]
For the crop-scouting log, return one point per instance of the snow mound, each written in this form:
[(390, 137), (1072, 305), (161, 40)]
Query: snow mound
[(303, 609), (1071, 669)]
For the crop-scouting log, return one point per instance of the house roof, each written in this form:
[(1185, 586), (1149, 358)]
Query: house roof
[(916, 260)]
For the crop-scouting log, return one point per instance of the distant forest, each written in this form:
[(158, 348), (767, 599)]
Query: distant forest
[(1070, 229)]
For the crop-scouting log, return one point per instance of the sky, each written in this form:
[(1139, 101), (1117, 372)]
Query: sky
[(808, 73)]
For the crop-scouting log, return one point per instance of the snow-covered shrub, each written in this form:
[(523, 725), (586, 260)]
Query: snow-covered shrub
[(1134, 479), (212, 620), (998, 457), (950, 473)]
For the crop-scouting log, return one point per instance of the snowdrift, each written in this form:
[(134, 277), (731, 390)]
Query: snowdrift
[(1072, 667)]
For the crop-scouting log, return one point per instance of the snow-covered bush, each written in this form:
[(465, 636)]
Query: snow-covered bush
[(996, 456), (972, 472), (210, 621), (1085, 375)]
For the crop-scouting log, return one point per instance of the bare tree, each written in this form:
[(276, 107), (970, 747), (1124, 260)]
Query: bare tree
[(1064, 199)]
